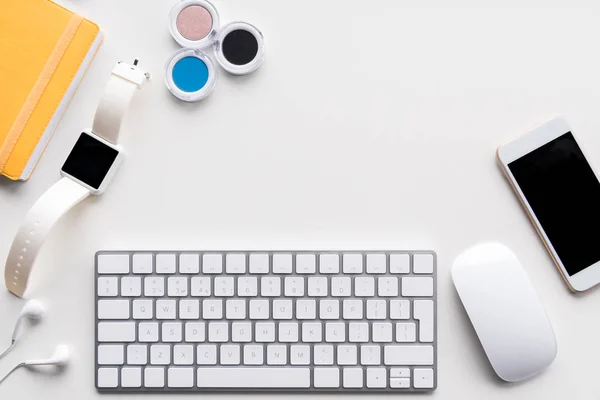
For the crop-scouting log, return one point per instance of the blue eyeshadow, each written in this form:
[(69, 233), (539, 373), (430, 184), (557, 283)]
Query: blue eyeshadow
[(190, 74)]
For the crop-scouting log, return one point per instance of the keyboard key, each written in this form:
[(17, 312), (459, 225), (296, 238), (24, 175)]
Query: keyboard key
[(341, 286), (382, 332), (300, 355), (323, 355), (113, 309), (370, 355), (376, 377), (282, 309), (352, 263), (224, 286), (113, 263), (282, 263), (329, 309), (311, 332), (177, 287), (235, 309), (399, 373), (408, 355), (406, 332), (294, 286), (166, 309), (259, 309), (259, 263), (358, 332), (317, 286), (335, 332), (131, 286), (108, 286), (264, 332), (189, 309), (346, 355), (399, 309), (387, 286), (247, 286), (182, 355), (270, 286), (108, 377), (253, 354), (235, 263), (195, 332), (180, 377), (288, 332), (353, 309), (423, 378), (326, 377), (276, 355), (137, 354), (142, 309), (364, 286), (417, 286), (165, 263), (424, 313), (230, 355), (154, 377), (329, 263), (142, 263), (171, 332), (376, 309), (212, 263), (154, 286), (116, 332), (399, 383), (160, 354), (423, 263), (201, 286), (376, 264), (148, 332), (306, 309), (206, 354), (111, 354), (268, 377), (353, 378), (189, 263), (241, 332), (131, 377), (306, 264), (218, 332), (399, 263)]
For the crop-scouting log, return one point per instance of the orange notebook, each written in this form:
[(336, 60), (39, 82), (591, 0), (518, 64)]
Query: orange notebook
[(45, 50)]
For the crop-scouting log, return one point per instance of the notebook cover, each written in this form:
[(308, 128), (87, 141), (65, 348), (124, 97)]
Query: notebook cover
[(43, 48)]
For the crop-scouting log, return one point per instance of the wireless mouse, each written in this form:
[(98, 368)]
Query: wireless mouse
[(505, 311)]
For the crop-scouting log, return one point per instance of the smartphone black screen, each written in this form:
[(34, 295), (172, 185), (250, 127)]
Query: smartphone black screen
[(564, 194)]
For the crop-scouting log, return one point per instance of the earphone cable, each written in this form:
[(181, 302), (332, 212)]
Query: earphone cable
[(8, 350), (11, 371)]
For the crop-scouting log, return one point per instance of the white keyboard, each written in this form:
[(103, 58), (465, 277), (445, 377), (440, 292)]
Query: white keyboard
[(210, 321)]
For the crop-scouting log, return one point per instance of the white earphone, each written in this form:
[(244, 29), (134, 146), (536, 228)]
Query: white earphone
[(60, 358), (32, 310)]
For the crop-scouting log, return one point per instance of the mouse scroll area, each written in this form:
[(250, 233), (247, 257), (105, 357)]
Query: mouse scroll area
[(505, 311)]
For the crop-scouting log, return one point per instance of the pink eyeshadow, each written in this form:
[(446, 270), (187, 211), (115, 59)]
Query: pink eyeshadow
[(194, 22)]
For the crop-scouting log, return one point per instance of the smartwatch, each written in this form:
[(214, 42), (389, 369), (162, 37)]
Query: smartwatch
[(87, 170)]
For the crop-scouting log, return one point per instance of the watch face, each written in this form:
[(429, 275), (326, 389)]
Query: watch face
[(90, 160)]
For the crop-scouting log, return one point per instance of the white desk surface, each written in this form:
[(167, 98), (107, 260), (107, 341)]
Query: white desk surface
[(371, 125)]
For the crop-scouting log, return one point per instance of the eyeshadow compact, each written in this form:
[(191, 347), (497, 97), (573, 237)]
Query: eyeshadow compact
[(238, 48)]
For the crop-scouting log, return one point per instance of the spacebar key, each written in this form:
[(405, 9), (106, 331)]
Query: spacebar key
[(253, 377)]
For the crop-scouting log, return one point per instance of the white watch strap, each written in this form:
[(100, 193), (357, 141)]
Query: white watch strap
[(48, 209), (121, 87)]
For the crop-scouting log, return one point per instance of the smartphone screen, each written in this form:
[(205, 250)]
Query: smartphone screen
[(564, 194)]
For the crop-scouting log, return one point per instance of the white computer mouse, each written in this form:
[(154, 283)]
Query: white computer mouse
[(505, 311)]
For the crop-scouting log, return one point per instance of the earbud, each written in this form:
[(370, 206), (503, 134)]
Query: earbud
[(32, 310), (60, 358)]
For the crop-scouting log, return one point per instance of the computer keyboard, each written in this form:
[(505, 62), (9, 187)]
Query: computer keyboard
[(261, 321)]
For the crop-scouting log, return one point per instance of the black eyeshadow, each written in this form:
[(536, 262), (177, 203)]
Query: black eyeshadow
[(240, 47)]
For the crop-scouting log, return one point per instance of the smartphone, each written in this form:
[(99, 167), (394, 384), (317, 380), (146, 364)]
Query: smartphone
[(560, 192)]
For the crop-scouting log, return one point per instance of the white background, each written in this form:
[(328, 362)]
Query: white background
[(371, 125)]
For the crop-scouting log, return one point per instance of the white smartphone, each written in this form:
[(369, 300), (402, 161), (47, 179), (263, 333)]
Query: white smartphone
[(561, 194)]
